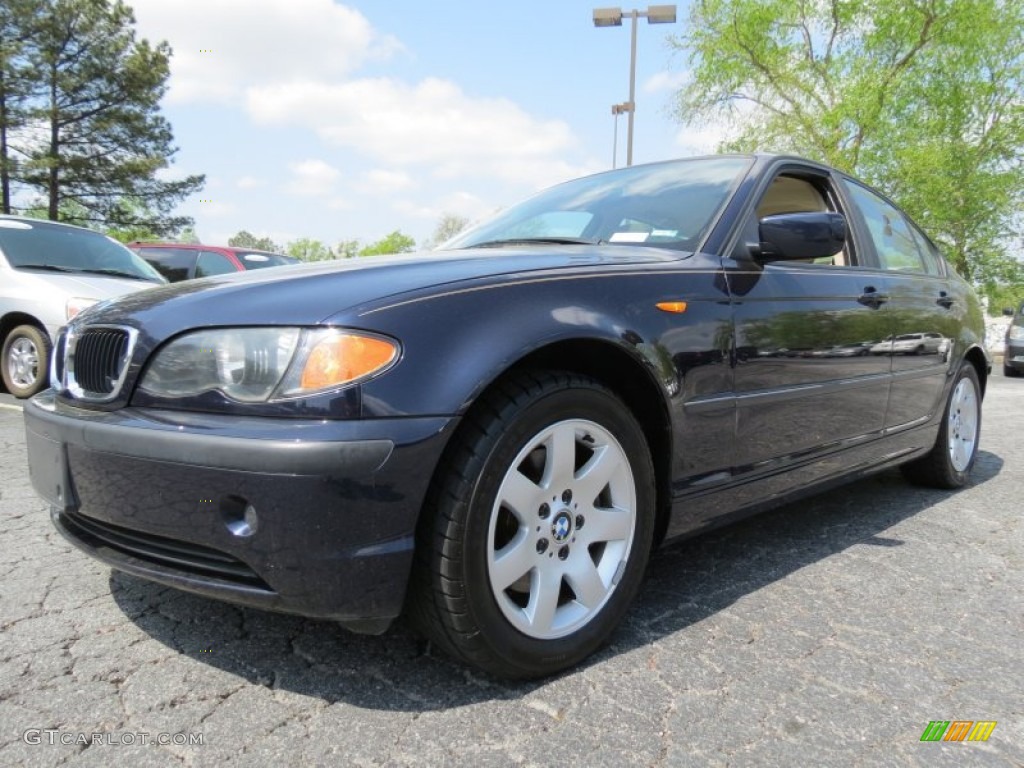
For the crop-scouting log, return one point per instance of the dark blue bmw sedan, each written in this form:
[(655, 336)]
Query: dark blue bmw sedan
[(493, 437)]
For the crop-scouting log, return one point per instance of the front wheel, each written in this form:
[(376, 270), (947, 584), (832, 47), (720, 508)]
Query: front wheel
[(26, 361), (539, 527), (949, 463)]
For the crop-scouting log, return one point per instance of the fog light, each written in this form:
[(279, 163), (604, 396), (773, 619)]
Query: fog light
[(239, 516)]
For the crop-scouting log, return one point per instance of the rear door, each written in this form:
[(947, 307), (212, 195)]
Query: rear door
[(925, 311)]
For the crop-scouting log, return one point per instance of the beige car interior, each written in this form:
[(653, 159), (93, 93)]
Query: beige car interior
[(788, 194)]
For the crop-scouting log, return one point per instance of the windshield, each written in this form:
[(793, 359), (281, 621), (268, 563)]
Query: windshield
[(670, 205), (258, 260), (51, 247)]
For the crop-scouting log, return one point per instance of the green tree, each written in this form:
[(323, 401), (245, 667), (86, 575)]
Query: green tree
[(17, 83), (395, 242), (448, 226), (308, 249), (188, 235), (921, 98), (246, 239), (348, 249), (104, 140)]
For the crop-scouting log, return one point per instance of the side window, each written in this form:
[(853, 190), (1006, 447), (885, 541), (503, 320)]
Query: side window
[(895, 242), (793, 194), (213, 264), (930, 254), (173, 263)]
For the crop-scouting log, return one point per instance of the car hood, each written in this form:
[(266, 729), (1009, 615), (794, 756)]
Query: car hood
[(77, 284), (311, 293)]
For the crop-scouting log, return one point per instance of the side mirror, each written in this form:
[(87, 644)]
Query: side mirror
[(794, 236)]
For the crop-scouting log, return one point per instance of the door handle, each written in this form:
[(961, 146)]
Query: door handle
[(945, 300), (873, 298)]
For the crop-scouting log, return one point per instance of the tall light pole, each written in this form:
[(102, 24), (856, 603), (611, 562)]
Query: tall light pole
[(617, 109), (612, 17)]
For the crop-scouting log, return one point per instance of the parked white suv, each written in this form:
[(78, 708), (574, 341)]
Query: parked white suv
[(50, 272), (911, 344)]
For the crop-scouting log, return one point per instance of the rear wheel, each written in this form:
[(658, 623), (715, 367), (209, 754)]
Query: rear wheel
[(1010, 372), (949, 463), (26, 361), (539, 527)]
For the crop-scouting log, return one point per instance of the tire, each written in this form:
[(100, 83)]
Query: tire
[(1009, 372), (949, 463), (526, 563), (26, 361)]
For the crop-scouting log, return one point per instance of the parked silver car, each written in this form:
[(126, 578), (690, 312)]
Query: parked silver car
[(911, 344), (49, 273)]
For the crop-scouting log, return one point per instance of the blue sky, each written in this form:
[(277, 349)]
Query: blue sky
[(346, 121)]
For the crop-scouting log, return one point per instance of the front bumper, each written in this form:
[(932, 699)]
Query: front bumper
[(309, 517)]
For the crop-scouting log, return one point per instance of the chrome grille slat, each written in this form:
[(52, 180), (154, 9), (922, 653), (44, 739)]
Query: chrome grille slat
[(96, 360)]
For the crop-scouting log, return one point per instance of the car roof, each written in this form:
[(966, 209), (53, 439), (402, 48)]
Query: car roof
[(46, 223), (201, 246)]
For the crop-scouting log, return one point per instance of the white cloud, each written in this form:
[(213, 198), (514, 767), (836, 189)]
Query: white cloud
[(172, 173), (460, 203), (222, 46), (666, 81), (430, 123), (250, 182), (312, 178), (215, 209), (381, 181)]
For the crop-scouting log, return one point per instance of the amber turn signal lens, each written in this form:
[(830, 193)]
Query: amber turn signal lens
[(344, 358), (672, 306)]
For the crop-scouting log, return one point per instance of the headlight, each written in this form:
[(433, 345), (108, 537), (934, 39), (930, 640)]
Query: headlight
[(75, 305), (1017, 333), (254, 365)]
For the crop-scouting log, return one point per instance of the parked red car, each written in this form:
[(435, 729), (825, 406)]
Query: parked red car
[(183, 261)]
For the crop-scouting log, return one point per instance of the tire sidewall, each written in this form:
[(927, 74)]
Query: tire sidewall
[(531, 655)]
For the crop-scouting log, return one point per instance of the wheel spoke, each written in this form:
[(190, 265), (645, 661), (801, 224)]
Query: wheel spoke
[(520, 494), (607, 524), (585, 581), (560, 467), (513, 561), (594, 476), (544, 589)]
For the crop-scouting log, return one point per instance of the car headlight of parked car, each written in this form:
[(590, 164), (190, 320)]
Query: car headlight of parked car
[(75, 305), (255, 365)]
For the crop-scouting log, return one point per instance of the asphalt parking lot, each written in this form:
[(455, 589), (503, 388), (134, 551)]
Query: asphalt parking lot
[(827, 633)]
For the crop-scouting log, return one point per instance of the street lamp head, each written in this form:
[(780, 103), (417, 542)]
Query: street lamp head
[(661, 14), (607, 17)]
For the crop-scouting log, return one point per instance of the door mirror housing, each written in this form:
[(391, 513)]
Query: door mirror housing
[(799, 236)]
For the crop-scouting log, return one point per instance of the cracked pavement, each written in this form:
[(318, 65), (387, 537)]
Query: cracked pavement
[(828, 633)]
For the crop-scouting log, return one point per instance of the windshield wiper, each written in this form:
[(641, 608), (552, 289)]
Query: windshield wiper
[(47, 267), (535, 241), (115, 273)]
